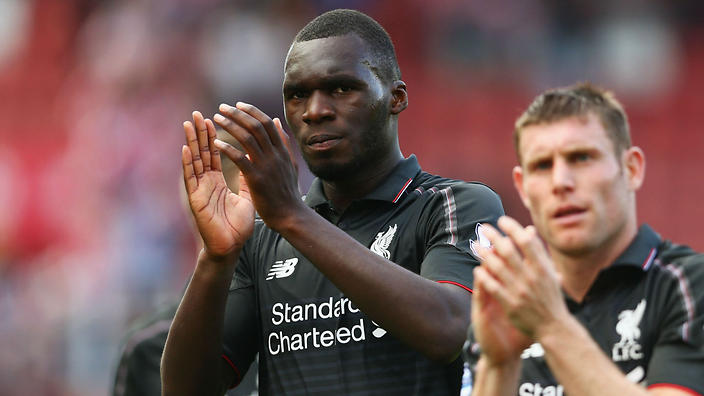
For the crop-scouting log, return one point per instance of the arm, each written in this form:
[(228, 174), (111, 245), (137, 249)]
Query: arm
[(534, 305), (432, 317), (192, 361), (427, 315)]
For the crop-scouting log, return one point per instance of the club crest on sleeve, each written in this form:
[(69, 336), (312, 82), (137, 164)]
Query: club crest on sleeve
[(481, 241)]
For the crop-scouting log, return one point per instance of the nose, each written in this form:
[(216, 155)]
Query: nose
[(318, 108), (562, 176)]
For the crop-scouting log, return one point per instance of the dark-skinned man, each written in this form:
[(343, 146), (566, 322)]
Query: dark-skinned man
[(364, 286)]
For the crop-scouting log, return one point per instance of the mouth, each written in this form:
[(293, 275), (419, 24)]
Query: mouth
[(322, 141), (568, 212)]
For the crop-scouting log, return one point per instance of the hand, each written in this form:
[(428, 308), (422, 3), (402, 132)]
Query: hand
[(268, 167), (224, 219), (500, 341), (522, 278)]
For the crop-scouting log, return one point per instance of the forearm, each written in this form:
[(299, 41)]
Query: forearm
[(496, 380), (429, 316), (569, 349), (192, 356)]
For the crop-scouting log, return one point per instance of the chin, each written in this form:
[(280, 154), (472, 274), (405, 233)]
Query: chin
[(573, 246), (332, 172)]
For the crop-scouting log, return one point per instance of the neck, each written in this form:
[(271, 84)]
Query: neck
[(580, 269), (342, 192)]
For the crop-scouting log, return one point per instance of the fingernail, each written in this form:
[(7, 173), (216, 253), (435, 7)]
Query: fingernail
[(218, 143), (218, 118), (225, 107)]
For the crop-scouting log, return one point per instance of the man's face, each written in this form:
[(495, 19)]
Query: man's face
[(337, 108), (579, 194)]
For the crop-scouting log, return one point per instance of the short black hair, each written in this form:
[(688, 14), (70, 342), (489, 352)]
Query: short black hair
[(344, 21)]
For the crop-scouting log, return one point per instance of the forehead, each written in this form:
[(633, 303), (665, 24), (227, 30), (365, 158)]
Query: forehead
[(568, 134), (347, 54)]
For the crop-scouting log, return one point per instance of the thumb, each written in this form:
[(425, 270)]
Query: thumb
[(287, 142), (244, 188)]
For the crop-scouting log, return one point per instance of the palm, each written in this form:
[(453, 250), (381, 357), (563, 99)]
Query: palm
[(225, 220), (500, 341), (497, 336)]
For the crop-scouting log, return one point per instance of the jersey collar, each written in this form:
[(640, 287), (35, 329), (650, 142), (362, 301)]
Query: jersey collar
[(642, 251), (391, 189)]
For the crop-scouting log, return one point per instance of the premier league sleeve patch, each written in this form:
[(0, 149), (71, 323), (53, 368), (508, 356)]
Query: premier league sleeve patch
[(480, 242)]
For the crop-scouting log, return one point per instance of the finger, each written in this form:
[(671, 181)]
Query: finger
[(238, 157), (246, 139), (192, 142), (499, 269), (526, 239), (478, 297), (202, 135), (287, 143), (244, 191), (490, 287), (272, 133), (189, 177), (215, 160), (256, 127), (503, 247)]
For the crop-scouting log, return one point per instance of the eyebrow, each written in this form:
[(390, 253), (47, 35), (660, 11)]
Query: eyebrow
[(327, 82)]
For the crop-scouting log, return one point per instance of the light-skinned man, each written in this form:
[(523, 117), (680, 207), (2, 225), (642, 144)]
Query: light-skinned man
[(609, 308)]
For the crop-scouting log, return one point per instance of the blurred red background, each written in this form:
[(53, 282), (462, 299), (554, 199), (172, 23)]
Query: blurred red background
[(93, 93)]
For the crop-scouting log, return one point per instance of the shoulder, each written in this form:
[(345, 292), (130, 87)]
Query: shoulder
[(682, 258), (684, 269), (432, 183)]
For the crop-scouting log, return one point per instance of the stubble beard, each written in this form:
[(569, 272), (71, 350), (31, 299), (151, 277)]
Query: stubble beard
[(373, 148)]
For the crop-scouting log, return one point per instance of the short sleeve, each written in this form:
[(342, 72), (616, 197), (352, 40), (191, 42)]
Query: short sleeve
[(451, 228), (678, 355), (241, 329)]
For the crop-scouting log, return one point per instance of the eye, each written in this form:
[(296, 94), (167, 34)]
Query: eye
[(342, 89), (580, 157), (542, 165), (297, 95)]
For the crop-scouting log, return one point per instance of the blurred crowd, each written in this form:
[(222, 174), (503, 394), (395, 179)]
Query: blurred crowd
[(93, 229)]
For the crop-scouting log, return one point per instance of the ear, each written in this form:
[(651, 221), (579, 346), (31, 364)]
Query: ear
[(634, 166), (399, 97), (517, 174)]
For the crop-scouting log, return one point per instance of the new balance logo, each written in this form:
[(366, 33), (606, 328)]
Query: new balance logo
[(282, 268)]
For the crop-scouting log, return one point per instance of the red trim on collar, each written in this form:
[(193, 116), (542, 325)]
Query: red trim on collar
[(674, 386), (649, 260), (457, 284), (405, 186), (239, 376)]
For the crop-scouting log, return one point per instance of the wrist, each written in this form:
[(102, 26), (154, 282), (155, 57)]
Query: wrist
[(290, 221), (551, 334), (217, 264), (507, 368), (206, 255)]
